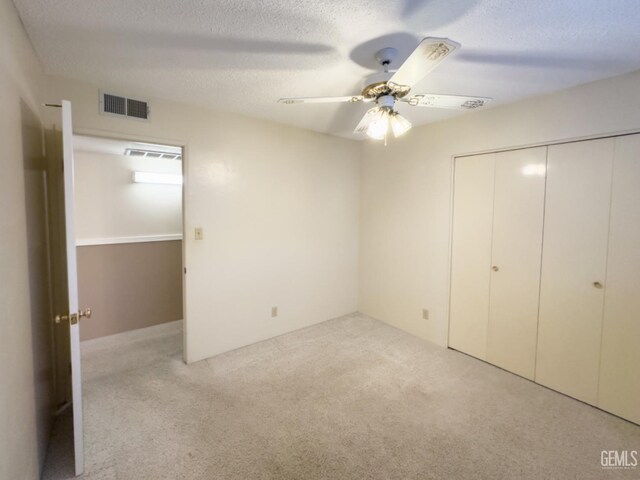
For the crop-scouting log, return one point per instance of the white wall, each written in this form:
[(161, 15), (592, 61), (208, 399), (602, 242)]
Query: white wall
[(406, 192), (109, 205), (279, 208), (25, 362)]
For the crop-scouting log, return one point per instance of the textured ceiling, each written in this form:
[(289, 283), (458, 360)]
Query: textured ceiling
[(242, 55)]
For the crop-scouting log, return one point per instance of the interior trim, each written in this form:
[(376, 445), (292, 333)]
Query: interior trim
[(84, 242)]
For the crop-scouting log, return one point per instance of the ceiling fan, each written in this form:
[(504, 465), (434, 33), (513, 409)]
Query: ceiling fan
[(388, 87)]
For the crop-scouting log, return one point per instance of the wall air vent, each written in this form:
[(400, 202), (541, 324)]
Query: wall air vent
[(120, 106)]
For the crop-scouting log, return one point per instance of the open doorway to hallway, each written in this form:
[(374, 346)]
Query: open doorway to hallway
[(128, 229), (128, 223)]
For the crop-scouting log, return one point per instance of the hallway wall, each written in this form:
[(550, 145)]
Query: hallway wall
[(129, 240), (111, 207), (129, 286)]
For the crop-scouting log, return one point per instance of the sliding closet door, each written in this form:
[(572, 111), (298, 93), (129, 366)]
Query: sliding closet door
[(619, 390), (471, 254), (516, 256), (574, 266)]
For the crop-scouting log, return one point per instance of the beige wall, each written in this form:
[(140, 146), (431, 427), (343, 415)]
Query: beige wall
[(25, 356), (279, 209), (129, 286), (406, 192)]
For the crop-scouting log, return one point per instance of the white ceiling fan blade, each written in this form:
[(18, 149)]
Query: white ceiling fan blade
[(366, 120), (456, 102), (428, 55), (351, 99)]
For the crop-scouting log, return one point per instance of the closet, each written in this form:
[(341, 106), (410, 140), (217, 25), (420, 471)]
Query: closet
[(545, 267)]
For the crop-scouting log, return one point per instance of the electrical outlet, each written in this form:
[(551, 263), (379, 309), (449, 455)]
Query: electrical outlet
[(198, 234), (274, 312), (425, 314)]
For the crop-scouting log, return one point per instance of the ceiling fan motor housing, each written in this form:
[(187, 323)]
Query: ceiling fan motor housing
[(377, 84)]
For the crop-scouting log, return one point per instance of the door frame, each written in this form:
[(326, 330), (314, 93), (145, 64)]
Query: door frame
[(116, 135)]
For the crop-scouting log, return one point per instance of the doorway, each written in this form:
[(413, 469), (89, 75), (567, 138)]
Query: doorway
[(128, 224), (128, 229)]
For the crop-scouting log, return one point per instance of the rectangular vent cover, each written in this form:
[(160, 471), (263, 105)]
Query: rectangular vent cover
[(139, 152), (123, 106)]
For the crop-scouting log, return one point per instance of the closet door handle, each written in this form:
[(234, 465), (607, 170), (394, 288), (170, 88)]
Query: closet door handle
[(495, 268), (597, 284)]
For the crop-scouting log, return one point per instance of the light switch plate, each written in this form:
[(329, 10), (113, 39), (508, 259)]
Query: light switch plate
[(425, 314), (274, 312), (198, 234)]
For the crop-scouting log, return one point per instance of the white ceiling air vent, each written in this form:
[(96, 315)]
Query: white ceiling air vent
[(142, 152), (120, 106)]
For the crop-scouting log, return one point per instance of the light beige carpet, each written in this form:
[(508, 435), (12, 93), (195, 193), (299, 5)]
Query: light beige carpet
[(350, 398)]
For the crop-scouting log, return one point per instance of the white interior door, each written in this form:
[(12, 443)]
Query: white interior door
[(518, 214), (576, 230), (471, 254), (72, 278)]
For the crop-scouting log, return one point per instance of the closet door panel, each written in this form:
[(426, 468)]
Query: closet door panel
[(574, 259), (619, 389), (516, 258), (471, 254)]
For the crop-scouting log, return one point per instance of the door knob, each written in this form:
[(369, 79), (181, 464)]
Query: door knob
[(495, 268), (84, 313), (597, 284)]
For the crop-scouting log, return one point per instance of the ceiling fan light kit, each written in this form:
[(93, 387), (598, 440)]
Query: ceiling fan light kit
[(382, 117), (386, 88)]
